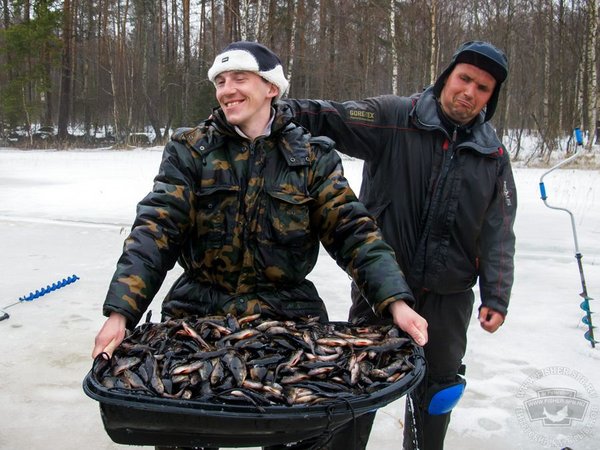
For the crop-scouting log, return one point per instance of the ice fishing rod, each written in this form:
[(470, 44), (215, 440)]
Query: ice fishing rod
[(39, 293), (585, 305)]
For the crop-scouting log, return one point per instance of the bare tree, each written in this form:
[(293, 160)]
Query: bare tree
[(186, 60), (258, 22), (118, 54), (433, 62), (591, 69), (296, 6), (394, 56), (66, 72)]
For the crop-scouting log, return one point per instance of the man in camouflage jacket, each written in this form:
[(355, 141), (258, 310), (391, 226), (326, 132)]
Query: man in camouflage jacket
[(242, 202)]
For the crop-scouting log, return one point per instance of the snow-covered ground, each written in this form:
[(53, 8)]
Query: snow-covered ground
[(531, 385)]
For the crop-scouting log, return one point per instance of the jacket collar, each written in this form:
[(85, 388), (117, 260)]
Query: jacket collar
[(282, 116), (290, 138)]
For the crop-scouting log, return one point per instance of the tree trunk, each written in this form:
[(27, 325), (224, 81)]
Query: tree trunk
[(295, 6), (5, 14), (65, 91), (394, 56), (592, 89), (186, 61), (258, 24), (545, 13), (434, 43)]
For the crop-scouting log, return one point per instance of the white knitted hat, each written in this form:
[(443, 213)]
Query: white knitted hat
[(251, 57)]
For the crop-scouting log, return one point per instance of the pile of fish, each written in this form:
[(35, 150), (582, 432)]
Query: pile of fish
[(251, 360)]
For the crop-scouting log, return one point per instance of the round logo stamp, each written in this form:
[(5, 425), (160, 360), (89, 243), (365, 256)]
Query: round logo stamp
[(558, 407)]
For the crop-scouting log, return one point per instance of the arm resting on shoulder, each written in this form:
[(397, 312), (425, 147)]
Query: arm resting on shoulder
[(357, 127)]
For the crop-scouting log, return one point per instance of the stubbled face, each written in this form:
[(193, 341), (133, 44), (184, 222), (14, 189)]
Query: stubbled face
[(466, 92), (245, 98)]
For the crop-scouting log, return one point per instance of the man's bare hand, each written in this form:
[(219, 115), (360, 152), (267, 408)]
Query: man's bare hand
[(489, 319), (110, 335), (410, 321)]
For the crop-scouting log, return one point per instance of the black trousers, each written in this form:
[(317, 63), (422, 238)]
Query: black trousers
[(448, 319)]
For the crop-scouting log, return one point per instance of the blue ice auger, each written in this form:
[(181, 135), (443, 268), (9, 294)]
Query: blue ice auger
[(39, 293), (585, 305)]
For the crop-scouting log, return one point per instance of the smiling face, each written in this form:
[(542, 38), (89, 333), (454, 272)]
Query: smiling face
[(245, 98), (466, 92)]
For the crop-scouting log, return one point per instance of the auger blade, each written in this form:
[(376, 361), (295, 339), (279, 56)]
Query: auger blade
[(588, 335), (585, 320)]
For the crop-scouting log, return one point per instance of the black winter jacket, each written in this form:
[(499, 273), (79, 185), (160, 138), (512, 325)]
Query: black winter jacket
[(445, 202)]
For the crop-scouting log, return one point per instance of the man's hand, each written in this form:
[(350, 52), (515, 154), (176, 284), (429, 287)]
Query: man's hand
[(110, 335), (410, 321), (489, 319)]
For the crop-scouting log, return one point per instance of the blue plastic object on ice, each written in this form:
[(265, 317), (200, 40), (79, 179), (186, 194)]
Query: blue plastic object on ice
[(445, 400), (578, 136), (54, 286), (39, 293)]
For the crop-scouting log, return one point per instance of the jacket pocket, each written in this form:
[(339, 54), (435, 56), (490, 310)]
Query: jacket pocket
[(217, 213), (287, 249), (287, 221)]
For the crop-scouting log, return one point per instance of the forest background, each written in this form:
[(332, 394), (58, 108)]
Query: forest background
[(78, 73)]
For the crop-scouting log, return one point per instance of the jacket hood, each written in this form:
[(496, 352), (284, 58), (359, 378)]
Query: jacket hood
[(485, 56)]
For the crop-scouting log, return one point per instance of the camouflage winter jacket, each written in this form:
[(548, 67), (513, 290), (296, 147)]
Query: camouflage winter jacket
[(244, 219)]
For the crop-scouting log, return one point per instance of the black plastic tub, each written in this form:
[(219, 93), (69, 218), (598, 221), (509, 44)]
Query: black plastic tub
[(136, 419)]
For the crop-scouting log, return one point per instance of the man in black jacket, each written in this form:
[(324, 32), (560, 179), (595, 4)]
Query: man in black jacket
[(439, 182)]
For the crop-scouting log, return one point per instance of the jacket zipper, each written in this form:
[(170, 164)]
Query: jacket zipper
[(434, 205), (245, 182), (443, 176)]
